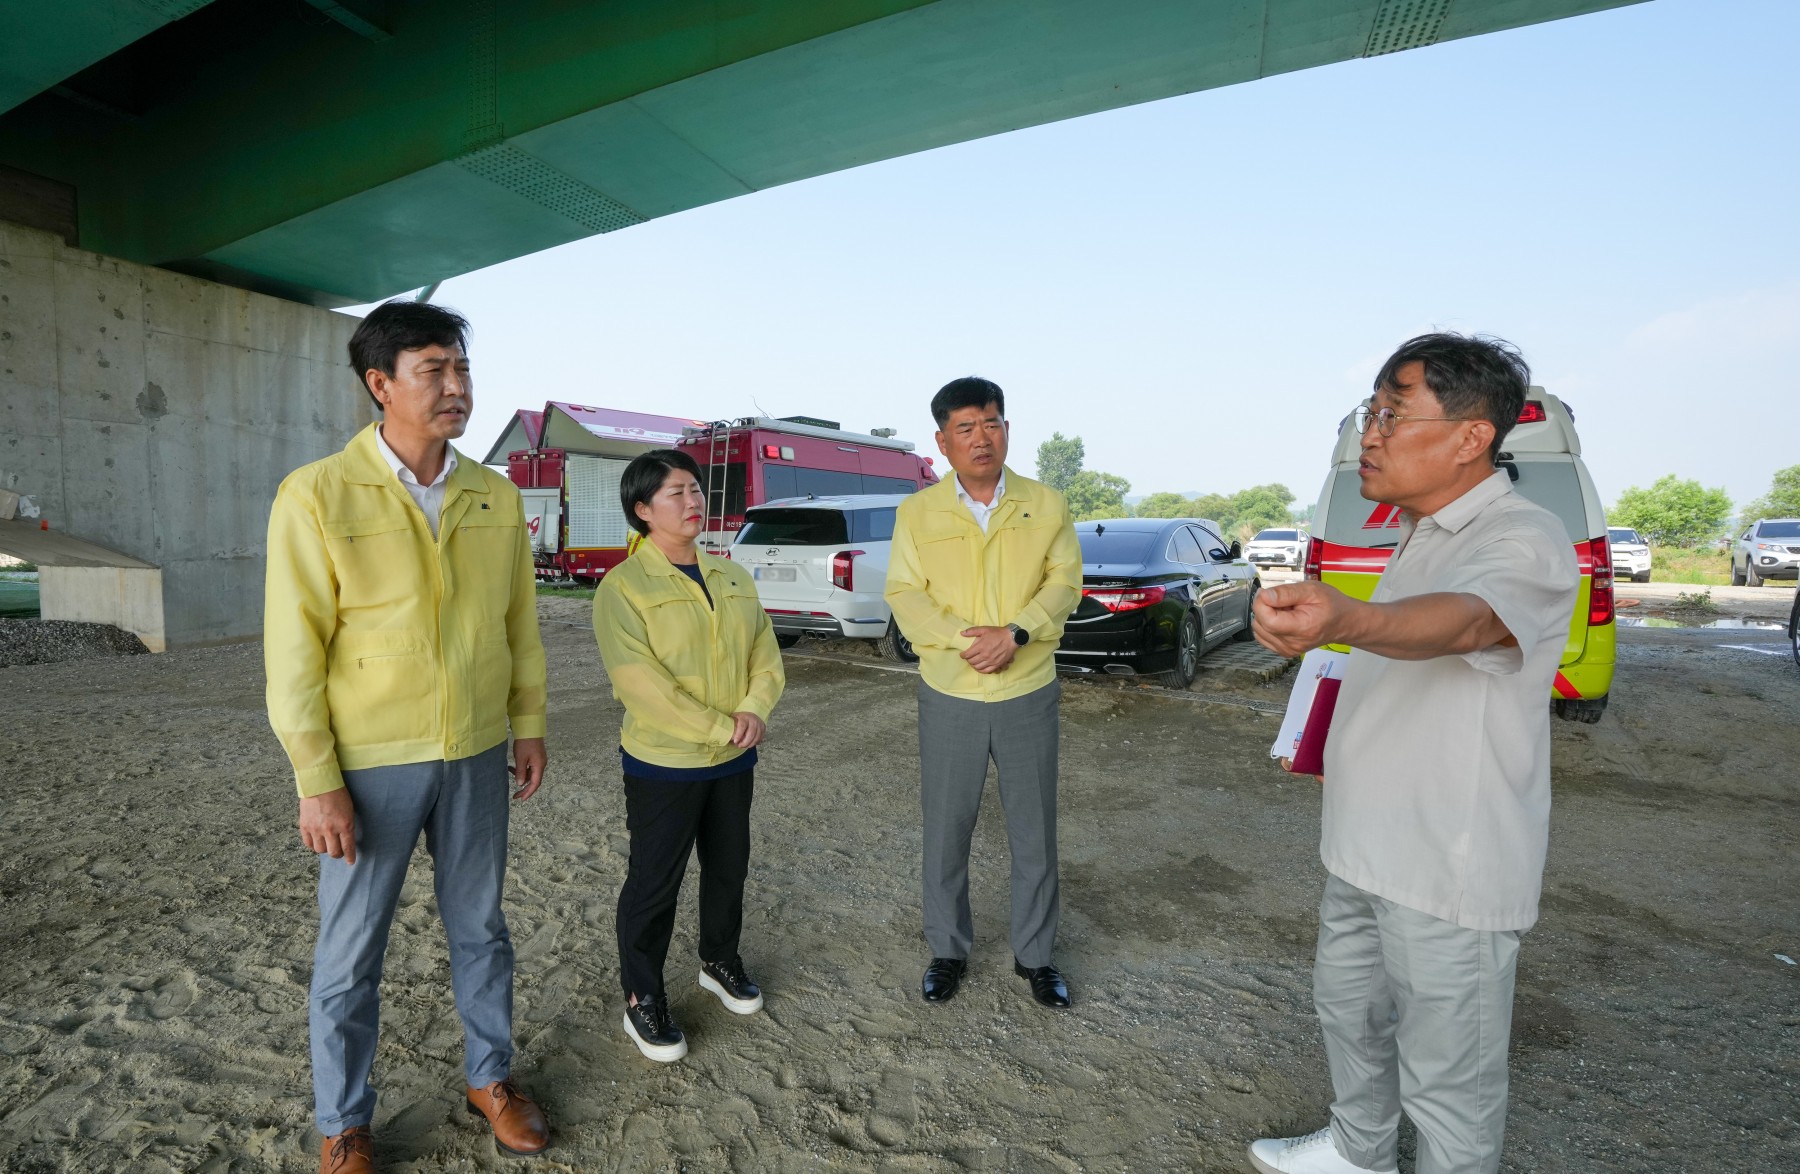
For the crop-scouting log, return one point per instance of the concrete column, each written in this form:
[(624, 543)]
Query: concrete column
[(155, 414)]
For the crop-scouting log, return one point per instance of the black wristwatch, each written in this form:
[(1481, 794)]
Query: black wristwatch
[(1020, 636)]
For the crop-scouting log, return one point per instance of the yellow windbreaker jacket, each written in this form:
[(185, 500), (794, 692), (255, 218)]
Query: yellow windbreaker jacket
[(945, 575), (383, 646), (681, 668)]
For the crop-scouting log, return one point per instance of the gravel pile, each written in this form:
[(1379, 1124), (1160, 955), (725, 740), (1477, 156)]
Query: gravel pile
[(47, 641)]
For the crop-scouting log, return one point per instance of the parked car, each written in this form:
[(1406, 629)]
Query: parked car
[(1277, 548), (1630, 553), (1769, 549), (820, 565), (1156, 594), (1354, 537)]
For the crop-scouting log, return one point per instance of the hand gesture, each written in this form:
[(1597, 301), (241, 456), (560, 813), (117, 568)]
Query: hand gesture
[(328, 825), (747, 730), (1294, 618), (527, 769), (993, 650)]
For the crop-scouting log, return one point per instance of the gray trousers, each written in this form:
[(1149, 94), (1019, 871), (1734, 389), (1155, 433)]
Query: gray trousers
[(461, 807), (957, 737), (1416, 1013)]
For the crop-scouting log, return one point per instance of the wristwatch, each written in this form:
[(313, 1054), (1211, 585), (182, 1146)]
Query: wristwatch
[(1020, 636)]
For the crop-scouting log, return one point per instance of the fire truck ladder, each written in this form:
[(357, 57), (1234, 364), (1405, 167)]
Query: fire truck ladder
[(718, 456)]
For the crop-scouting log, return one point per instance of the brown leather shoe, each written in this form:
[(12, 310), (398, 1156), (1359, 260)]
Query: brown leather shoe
[(349, 1152), (519, 1125)]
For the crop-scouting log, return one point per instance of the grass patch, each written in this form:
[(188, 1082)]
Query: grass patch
[(1701, 601), (564, 592), (1699, 568)]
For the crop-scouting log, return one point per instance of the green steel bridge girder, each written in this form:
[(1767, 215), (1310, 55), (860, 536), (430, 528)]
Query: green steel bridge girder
[(340, 151)]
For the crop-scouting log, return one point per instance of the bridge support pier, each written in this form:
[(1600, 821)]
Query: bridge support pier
[(154, 414)]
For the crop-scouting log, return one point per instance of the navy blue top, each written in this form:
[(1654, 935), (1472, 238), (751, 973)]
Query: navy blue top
[(692, 571), (637, 768)]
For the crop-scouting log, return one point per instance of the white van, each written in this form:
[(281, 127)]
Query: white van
[(1353, 538)]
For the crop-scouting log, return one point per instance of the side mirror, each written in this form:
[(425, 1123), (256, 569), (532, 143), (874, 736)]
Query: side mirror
[(1237, 549)]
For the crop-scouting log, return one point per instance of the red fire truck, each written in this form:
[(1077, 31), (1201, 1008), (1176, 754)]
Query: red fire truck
[(566, 461), (758, 459)]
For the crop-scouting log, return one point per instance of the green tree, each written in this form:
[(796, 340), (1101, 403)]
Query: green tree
[(1258, 508), (1782, 500), (1673, 512), (1097, 495), (1059, 460), (1214, 507), (1163, 505)]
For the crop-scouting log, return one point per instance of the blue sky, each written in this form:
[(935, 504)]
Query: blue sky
[(1201, 287)]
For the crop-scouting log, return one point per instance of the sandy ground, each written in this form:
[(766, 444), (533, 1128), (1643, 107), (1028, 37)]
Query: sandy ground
[(159, 924)]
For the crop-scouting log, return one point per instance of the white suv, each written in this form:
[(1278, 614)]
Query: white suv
[(1277, 548), (820, 565), (1769, 549), (1630, 553)]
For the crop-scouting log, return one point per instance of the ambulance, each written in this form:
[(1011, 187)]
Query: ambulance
[(1353, 538)]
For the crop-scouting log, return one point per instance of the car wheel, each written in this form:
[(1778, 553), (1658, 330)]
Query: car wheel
[(1246, 633), (1187, 655), (1751, 578), (1586, 710), (1737, 580), (1794, 629), (786, 639), (1641, 577), (895, 646)]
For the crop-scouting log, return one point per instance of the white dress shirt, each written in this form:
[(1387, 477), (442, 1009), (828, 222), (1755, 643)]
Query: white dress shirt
[(430, 498), (1437, 772), (980, 511)]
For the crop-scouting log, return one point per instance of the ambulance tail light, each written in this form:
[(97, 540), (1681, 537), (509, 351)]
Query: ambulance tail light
[(1534, 413), (843, 569), (1315, 558), (1600, 593)]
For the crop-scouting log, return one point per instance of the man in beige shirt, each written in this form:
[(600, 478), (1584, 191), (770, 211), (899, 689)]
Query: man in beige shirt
[(1437, 769)]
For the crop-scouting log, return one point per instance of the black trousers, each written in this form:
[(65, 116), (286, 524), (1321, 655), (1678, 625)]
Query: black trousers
[(667, 821)]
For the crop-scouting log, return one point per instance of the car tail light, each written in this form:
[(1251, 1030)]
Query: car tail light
[(1124, 598), (1315, 558), (1600, 593), (843, 569), (1534, 413)]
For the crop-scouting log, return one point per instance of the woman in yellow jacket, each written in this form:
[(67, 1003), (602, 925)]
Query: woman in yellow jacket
[(693, 658)]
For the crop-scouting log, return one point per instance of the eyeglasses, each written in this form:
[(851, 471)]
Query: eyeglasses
[(1386, 418)]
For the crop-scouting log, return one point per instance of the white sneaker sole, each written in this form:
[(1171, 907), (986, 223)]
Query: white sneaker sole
[(1262, 1167), (740, 1006), (661, 1053)]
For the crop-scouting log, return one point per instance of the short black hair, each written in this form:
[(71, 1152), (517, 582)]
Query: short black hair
[(645, 475), (971, 391), (1478, 377), (402, 325)]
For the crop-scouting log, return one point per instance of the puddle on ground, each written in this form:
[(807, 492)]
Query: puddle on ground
[(1665, 622)]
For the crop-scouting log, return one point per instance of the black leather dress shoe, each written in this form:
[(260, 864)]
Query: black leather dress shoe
[(942, 978), (1047, 985)]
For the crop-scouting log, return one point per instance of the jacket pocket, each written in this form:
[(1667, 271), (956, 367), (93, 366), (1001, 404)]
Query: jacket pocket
[(481, 554), (382, 687), (948, 562), (375, 560)]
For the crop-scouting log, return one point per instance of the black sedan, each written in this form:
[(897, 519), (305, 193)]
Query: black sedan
[(1156, 594)]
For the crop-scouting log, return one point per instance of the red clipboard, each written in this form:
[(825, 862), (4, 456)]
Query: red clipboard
[(1309, 756)]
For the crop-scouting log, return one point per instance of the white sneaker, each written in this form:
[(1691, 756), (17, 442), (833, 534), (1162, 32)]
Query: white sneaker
[(1312, 1154)]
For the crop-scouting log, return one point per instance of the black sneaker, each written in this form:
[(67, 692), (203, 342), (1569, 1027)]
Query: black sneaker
[(653, 1029), (734, 988)]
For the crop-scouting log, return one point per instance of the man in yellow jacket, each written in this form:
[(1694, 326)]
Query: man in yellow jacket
[(984, 572), (401, 647)]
